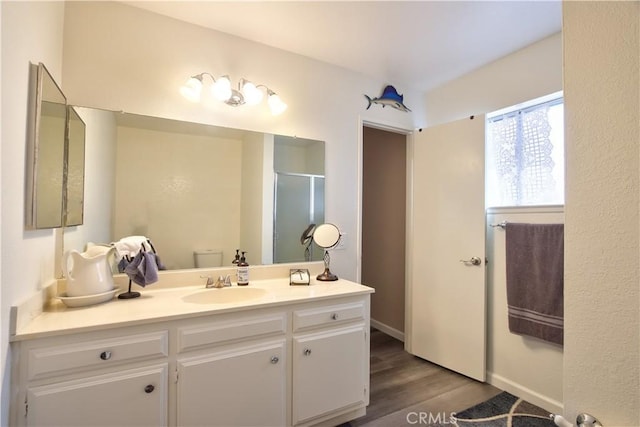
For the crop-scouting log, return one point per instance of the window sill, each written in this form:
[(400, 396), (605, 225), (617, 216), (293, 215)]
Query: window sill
[(526, 209)]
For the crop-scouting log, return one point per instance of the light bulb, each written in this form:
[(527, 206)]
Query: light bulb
[(221, 89), (192, 89), (252, 95), (275, 104)]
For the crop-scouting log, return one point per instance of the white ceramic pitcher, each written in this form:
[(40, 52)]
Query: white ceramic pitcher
[(89, 273)]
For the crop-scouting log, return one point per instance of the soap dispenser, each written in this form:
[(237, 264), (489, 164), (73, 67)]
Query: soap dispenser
[(243, 271), (236, 260)]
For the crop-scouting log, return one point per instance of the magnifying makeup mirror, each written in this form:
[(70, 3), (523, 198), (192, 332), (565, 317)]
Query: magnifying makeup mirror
[(326, 236)]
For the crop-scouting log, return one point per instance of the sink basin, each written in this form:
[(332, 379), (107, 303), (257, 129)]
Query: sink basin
[(224, 295)]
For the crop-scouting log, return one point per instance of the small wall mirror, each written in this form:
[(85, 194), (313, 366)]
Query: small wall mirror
[(326, 236), (45, 151), (74, 186)]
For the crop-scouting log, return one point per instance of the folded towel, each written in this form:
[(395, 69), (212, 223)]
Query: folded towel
[(535, 282), (143, 269)]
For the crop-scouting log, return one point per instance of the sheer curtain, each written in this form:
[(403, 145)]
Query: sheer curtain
[(524, 156)]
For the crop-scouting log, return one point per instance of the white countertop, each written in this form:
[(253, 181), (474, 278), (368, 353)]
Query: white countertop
[(173, 303)]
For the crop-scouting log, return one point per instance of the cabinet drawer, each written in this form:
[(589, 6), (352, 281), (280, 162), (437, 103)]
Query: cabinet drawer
[(191, 337), (328, 315), (96, 353)]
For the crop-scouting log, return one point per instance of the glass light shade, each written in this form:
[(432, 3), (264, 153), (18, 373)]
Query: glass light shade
[(252, 95), (276, 105), (192, 89), (221, 89)]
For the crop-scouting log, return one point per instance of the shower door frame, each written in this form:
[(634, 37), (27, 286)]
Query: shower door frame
[(312, 190)]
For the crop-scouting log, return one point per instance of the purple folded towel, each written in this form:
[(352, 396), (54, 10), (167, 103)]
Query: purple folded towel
[(535, 280), (143, 269)]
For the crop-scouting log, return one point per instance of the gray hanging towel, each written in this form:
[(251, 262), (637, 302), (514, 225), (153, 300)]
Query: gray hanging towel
[(535, 280), (143, 269)]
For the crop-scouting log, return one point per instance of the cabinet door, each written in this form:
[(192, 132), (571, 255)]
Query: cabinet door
[(136, 397), (328, 371), (238, 387)]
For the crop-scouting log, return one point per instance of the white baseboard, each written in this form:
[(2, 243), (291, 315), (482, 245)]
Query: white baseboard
[(399, 335), (551, 405)]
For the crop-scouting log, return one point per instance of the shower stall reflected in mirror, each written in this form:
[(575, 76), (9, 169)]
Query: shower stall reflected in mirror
[(298, 202)]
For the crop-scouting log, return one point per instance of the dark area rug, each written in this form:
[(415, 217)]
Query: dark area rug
[(501, 411)]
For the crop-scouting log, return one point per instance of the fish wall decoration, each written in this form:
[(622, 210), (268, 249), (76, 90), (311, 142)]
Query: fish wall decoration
[(390, 97)]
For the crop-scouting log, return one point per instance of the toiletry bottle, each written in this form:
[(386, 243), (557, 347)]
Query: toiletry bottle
[(243, 271), (236, 260)]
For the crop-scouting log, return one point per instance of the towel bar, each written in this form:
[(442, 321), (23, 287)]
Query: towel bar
[(502, 225)]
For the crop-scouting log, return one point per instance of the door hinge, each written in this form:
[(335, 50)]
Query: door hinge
[(26, 407)]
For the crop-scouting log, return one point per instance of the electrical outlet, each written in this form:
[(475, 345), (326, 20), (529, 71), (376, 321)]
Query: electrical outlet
[(342, 244)]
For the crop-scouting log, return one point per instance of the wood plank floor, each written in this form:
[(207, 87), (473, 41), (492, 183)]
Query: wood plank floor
[(403, 386)]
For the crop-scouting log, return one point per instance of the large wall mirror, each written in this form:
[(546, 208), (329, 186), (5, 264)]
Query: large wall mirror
[(45, 151), (197, 189)]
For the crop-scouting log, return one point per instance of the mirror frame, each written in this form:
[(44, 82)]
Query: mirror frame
[(34, 164)]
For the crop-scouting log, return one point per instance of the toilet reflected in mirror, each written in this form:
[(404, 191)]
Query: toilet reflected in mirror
[(326, 236), (207, 258)]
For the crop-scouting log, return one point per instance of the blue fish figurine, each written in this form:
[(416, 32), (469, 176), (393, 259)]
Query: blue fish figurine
[(390, 97)]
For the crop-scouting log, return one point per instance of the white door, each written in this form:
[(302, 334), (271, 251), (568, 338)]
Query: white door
[(447, 295)]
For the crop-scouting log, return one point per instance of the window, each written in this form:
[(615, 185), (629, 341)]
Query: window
[(525, 154)]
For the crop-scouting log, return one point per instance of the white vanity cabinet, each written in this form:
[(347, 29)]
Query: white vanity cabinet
[(297, 363), (330, 360), (83, 380), (233, 372)]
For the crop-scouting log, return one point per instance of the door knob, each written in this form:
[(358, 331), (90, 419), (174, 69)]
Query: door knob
[(473, 261)]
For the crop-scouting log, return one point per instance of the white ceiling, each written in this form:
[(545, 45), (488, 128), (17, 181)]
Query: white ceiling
[(417, 44)]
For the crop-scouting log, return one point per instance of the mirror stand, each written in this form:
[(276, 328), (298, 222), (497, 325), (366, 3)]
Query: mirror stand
[(326, 275)]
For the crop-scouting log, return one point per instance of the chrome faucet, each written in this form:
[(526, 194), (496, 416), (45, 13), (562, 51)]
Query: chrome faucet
[(209, 283), (221, 282)]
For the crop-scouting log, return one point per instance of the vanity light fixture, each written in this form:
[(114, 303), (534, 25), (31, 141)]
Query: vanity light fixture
[(221, 89)]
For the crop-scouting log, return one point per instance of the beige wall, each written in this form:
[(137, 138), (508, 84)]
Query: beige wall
[(31, 31), (100, 158), (526, 74), (383, 225), (173, 188), (522, 365), (254, 230), (602, 132), (140, 59)]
